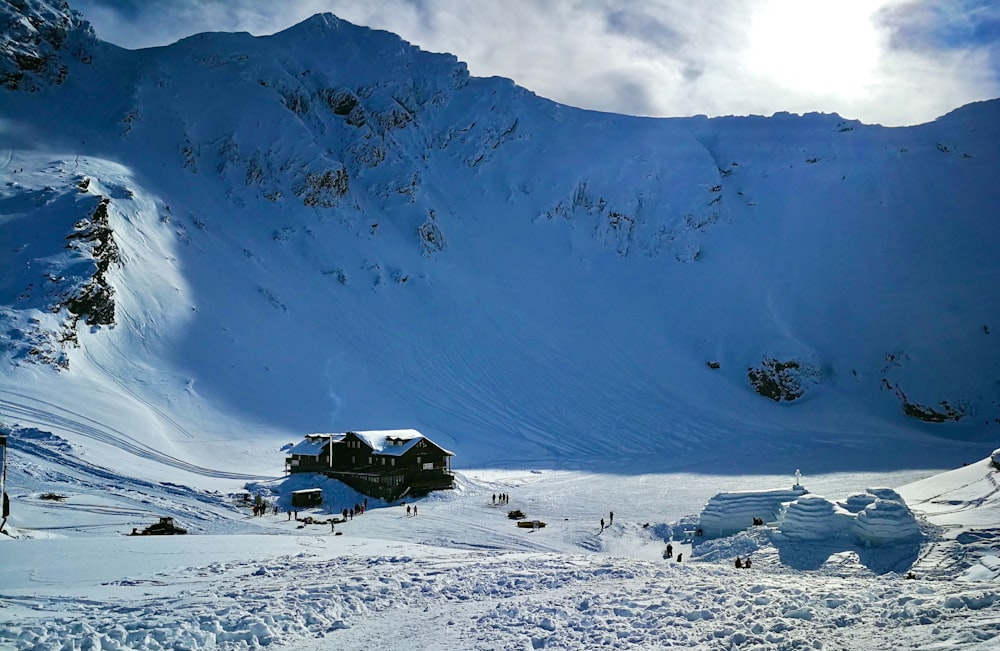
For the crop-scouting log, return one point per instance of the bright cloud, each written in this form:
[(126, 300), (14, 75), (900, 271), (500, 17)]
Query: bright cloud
[(888, 61)]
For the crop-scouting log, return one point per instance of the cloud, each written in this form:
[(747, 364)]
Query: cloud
[(888, 61)]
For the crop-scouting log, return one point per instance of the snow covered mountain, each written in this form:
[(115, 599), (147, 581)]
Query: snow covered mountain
[(238, 238)]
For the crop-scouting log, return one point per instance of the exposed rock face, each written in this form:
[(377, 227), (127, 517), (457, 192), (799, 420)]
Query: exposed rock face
[(323, 189), (947, 411), (94, 302), (781, 380), (39, 40), (431, 238)]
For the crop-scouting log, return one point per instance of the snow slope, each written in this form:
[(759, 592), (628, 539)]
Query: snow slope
[(212, 248), (329, 229)]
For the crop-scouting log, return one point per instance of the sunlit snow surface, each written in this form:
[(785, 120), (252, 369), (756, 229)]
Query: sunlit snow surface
[(461, 574)]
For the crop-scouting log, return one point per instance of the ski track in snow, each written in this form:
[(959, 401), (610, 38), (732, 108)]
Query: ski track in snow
[(123, 384), (47, 416)]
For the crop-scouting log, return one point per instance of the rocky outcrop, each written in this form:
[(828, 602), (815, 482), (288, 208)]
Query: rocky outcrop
[(782, 379), (94, 302), (38, 41), (431, 238), (945, 411), (323, 189)]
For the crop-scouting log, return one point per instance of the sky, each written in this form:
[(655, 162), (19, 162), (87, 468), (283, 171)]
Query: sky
[(891, 62)]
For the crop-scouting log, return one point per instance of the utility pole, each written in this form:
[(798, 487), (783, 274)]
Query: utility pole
[(3, 482)]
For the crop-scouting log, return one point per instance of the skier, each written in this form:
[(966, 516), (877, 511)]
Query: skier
[(612, 520), (407, 509)]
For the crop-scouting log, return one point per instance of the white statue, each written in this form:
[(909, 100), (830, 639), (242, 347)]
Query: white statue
[(798, 479)]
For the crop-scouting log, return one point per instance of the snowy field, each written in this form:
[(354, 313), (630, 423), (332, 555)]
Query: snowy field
[(461, 575)]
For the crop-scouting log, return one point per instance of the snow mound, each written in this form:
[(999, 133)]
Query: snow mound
[(728, 513), (885, 522), (995, 457), (812, 517)]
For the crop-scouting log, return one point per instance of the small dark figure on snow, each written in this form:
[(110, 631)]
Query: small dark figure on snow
[(602, 524), (679, 557), (739, 563), (494, 498), (414, 509), (611, 520), (407, 510), (747, 563), (670, 551)]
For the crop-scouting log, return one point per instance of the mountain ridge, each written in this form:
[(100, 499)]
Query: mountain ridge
[(573, 284)]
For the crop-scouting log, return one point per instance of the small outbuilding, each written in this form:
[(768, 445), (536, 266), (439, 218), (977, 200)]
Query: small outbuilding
[(307, 497)]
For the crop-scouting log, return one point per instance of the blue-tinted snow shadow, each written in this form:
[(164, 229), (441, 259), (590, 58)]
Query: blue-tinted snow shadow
[(813, 554)]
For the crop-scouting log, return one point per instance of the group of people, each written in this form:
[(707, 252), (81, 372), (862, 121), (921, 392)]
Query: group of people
[(501, 498), (611, 520), (359, 509), (414, 513), (743, 564)]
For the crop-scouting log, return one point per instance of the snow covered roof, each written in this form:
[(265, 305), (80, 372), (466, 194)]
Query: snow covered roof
[(390, 442), (394, 442), (313, 444)]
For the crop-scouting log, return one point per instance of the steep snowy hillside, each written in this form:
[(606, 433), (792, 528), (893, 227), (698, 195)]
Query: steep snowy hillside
[(240, 238)]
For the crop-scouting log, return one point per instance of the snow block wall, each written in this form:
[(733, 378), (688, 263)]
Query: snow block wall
[(877, 517), (812, 517), (729, 513), (884, 523)]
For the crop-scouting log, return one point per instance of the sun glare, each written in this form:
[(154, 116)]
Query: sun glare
[(814, 46)]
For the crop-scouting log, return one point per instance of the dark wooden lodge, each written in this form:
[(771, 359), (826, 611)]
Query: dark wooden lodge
[(387, 464)]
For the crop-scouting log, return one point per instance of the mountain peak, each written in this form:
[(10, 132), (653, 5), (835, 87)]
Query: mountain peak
[(39, 39)]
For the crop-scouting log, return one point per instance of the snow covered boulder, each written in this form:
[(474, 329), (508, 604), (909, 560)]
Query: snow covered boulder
[(885, 522), (728, 513), (812, 517), (995, 457)]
